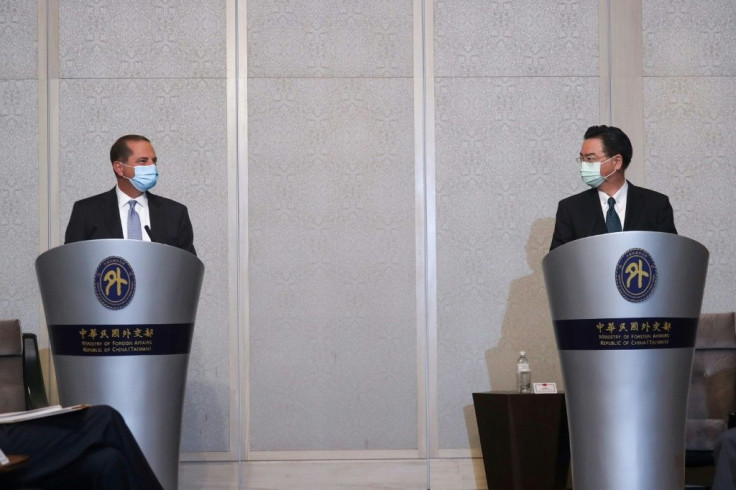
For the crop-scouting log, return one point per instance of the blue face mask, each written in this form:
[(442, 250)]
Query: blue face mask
[(145, 177)]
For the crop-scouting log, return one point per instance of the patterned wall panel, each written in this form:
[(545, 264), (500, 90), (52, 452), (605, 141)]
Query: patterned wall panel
[(516, 37), (332, 295), (186, 122), (142, 38), (689, 122), (19, 210), (689, 37), (19, 218), (508, 128), (505, 153), (333, 38), (689, 125), (18, 38)]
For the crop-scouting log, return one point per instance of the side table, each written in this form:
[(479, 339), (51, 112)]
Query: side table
[(16, 460), (524, 439)]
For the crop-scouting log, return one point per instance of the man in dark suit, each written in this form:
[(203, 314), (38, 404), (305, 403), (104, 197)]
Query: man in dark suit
[(90, 449), (129, 210), (612, 204)]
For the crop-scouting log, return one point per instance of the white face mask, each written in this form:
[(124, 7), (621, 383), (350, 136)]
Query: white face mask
[(590, 172)]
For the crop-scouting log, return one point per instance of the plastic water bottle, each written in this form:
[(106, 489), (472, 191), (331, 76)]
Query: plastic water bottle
[(523, 374)]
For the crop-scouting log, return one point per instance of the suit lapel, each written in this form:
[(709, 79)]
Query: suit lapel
[(112, 214), (595, 224), (633, 207), (154, 212)]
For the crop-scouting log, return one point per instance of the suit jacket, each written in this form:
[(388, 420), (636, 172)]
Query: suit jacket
[(580, 216), (77, 450), (98, 217)]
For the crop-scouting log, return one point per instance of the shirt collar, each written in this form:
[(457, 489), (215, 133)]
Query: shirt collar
[(620, 195), (123, 198)]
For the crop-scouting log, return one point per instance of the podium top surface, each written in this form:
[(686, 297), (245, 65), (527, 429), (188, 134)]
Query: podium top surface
[(626, 275), (116, 281), (114, 244), (623, 238)]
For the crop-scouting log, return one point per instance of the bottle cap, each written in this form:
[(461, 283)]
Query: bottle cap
[(522, 353)]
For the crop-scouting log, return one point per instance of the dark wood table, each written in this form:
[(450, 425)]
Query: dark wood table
[(524, 440), (15, 461)]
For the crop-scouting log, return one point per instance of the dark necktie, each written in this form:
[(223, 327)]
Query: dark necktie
[(134, 222), (613, 224)]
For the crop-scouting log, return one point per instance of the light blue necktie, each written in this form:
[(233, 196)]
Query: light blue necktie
[(134, 222), (613, 224)]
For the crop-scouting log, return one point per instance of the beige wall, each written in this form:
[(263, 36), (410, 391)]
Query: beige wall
[(372, 186)]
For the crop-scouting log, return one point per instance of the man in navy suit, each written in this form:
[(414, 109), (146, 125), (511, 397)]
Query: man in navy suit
[(87, 449), (612, 204), (129, 210)]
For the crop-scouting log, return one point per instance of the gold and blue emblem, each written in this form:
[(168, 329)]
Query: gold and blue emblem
[(114, 283), (636, 275)]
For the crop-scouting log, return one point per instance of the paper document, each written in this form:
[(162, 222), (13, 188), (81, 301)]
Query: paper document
[(12, 417)]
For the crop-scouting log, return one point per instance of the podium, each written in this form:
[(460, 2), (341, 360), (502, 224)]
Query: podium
[(625, 308), (120, 316)]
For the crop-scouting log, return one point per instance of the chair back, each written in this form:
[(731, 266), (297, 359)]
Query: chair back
[(713, 384), (33, 374), (12, 392)]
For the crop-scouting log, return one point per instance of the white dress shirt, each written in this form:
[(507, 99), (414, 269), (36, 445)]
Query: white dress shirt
[(620, 205), (141, 208)]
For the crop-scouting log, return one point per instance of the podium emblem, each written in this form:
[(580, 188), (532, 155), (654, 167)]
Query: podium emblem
[(636, 275), (114, 283)]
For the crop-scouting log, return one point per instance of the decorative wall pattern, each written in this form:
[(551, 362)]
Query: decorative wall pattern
[(18, 38), (499, 139), (332, 300), (142, 39), (330, 38), (19, 202), (690, 77), (688, 37), (516, 86), (516, 38), (689, 123), (19, 198), (331, 212)]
